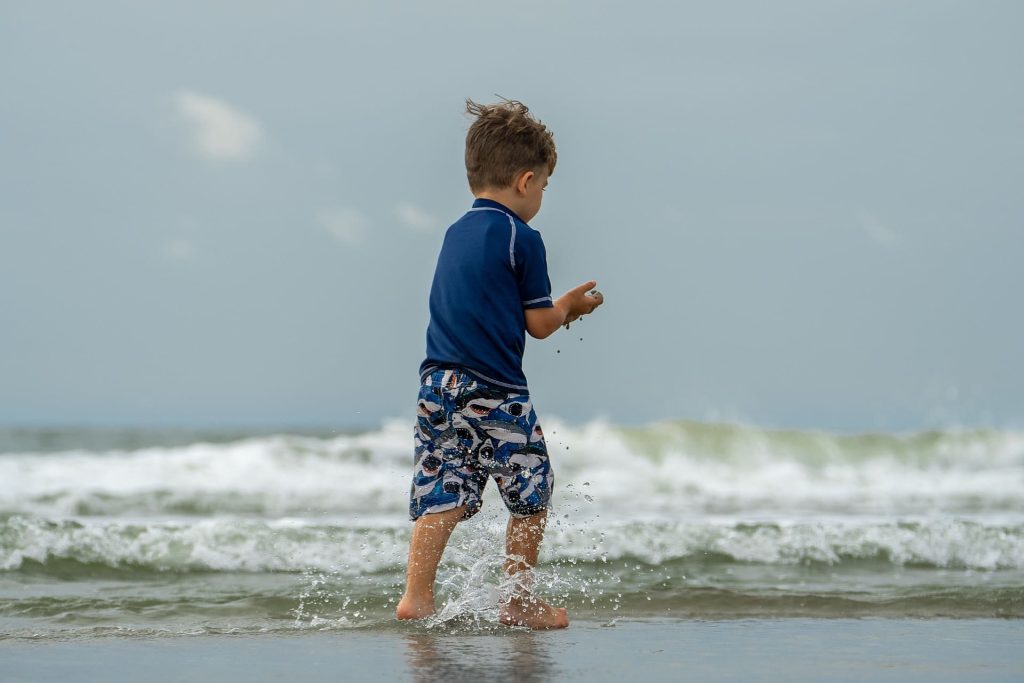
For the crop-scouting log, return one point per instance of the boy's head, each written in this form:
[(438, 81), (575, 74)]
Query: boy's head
[(509, 153)]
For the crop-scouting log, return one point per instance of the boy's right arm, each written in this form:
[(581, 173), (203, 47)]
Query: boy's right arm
[(542, 322)]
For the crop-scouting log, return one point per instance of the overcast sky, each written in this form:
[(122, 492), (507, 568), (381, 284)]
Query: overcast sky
[(802, 214)]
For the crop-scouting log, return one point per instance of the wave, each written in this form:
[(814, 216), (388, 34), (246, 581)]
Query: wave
[(329, 606), (71, 548), (669, 469)]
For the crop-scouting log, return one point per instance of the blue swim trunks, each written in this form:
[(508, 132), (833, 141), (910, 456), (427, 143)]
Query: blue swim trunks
[(467, 431)]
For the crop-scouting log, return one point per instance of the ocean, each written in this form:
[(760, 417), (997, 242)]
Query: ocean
[(161, 534)]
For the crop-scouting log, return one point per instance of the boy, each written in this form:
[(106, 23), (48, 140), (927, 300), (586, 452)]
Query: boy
[(474, 416)]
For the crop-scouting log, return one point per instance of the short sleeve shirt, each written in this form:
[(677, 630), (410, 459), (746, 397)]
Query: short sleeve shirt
[(492, 267)]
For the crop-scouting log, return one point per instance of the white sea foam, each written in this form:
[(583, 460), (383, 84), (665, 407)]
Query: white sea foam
[(666, 470), (274, 475), (237, 545), (200, 545), (935, 543)]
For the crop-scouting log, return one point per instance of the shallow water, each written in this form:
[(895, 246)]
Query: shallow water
[(139, 533)]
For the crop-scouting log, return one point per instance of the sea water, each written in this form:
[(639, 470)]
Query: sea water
[(148, 533)]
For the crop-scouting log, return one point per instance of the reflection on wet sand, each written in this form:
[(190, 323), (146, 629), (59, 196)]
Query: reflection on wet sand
[(510, 655)]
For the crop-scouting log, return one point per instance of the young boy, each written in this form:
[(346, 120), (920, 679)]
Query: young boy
[(474, 417)]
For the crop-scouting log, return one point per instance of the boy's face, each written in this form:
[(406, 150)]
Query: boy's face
[(531, 186)]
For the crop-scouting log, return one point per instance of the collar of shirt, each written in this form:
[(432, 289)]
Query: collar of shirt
[(480, 202)]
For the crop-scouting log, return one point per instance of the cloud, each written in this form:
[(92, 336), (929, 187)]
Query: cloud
[(219, 131), (348, 226), (415, 218), (180, 250), (878, 232)]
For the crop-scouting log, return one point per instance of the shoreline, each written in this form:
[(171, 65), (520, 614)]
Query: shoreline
[(798, 649)]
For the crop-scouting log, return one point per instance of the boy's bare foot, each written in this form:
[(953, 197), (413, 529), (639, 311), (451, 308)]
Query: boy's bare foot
[(533, 613), (409, 608)]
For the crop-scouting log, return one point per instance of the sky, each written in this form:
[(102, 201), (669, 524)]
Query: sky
[(801, 214)]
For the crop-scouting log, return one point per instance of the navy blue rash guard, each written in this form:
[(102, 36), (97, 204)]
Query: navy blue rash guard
[(492, 267)]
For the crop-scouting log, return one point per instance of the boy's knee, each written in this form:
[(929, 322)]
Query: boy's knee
[(444, 517), (528, 512), (524, 526)]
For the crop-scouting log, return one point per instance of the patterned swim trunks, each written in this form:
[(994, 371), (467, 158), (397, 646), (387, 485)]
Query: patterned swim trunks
[(467, 431)]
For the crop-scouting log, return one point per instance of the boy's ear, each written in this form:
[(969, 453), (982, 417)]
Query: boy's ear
[(522, 180)]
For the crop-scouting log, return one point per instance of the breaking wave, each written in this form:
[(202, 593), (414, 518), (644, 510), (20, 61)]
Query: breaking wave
[(71, 548), (674, 468)]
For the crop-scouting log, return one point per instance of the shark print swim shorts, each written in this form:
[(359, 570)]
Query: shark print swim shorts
[(467, 431)]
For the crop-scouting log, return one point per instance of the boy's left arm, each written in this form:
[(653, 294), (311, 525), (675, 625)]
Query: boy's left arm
[(543, 314), (542, 322)]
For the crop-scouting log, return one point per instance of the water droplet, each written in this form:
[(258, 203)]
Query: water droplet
[(586, 483)]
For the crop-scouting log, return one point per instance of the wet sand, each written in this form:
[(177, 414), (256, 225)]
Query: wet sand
[(643, 649)]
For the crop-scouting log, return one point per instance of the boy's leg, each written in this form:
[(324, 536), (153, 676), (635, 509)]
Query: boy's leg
[(429, 537), (523, 537), (522, 547), (444, 475)]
